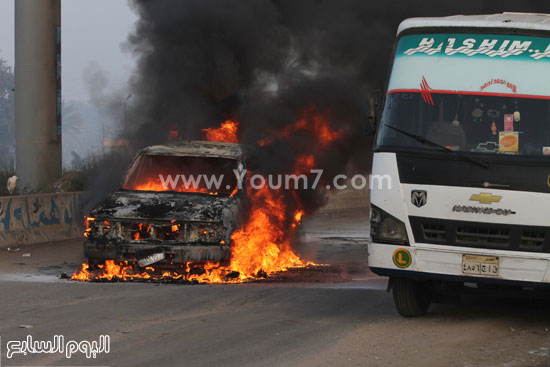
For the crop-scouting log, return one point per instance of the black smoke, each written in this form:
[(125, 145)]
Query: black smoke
[(263, 62)]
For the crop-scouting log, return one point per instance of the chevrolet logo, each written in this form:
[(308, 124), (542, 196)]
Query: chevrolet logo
[(485, 198)]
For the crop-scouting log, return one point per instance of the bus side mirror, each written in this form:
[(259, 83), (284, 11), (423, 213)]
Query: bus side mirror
[(372, 118)]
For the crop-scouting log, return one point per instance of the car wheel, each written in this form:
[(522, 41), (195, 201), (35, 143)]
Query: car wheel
[(412, 298), (93, 263)]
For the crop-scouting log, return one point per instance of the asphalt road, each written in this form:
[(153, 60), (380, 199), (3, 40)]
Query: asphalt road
[(346, 319)]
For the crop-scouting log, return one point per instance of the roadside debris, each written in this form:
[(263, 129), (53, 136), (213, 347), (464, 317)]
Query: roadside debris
[(12, 185)]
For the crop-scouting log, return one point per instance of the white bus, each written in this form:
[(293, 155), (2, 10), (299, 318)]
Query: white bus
[(464, 134)]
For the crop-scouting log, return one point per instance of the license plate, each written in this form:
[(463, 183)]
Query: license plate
[(151, 259), (480, 265)]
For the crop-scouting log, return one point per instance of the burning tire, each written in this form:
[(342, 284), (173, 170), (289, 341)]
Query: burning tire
[(93, 263), (412, 298)]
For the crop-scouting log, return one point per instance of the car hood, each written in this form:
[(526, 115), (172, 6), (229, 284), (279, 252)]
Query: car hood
[(164, 206)]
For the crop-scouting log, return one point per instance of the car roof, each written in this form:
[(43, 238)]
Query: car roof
[(197, 148), (527, 21)]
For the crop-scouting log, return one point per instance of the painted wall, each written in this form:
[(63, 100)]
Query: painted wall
[(30, 219)]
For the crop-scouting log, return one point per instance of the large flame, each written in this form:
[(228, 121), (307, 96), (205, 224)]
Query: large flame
[(315, 123), (262, 246), (226, 133)]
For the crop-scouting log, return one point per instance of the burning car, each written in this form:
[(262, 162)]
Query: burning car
[(178, 203)]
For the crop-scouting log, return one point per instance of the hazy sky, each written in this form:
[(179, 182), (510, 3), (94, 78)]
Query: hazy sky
[(92, 33)]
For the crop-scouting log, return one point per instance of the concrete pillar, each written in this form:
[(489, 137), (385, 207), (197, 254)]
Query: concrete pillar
[(37, 92)]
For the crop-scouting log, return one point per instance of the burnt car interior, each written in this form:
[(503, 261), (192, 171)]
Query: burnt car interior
[(207, 175)]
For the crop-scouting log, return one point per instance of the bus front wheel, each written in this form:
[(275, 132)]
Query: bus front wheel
[(412, 298)]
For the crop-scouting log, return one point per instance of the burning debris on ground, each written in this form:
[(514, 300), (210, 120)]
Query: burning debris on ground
[(112, 271), (190, 274)]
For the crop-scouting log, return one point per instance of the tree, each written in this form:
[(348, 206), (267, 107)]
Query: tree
[(7, 108)]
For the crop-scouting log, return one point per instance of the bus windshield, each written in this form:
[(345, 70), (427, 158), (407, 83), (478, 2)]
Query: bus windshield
[(474, 93)]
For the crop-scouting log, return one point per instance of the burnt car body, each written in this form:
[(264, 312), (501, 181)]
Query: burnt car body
[(174, 223)]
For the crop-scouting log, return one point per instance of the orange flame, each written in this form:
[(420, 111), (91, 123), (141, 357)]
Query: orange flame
[(310, 122), (264, 242), (315, 123), (305, 164), (173, 134), (142, 232), (156, 185), (226, 133), (87, 230)]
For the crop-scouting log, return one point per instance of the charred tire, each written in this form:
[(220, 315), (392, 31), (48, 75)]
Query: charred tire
[(94, 262), (412, 298)]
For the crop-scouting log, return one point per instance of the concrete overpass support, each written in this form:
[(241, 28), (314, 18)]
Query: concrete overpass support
[(37, 92)]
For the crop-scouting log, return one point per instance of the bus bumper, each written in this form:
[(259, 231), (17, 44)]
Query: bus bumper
[(447, 263)]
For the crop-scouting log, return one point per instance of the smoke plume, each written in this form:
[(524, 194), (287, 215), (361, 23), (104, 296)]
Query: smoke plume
[(265, 62)]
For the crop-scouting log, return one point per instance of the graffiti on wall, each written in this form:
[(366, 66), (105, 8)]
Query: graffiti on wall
[(39, 218)]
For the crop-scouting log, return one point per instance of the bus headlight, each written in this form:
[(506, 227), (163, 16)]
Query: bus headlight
[(385, 228)]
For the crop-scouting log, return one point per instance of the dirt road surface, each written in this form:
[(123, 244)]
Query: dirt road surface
[(338, 317)]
